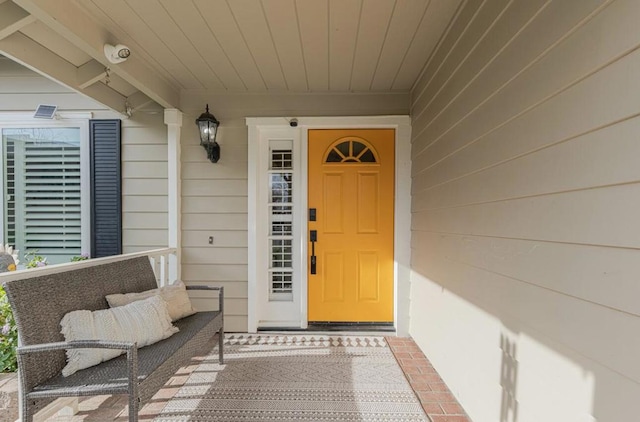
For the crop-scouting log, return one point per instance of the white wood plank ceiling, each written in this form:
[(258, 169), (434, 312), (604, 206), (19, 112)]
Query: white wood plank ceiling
[(234, 46)]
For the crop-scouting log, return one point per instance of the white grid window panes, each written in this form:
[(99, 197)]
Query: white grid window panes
[(281, 221), (281, 228), (281, 159), (281, 282), (281, 253)]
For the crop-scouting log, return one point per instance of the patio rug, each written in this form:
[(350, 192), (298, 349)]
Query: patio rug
[(297, 378)]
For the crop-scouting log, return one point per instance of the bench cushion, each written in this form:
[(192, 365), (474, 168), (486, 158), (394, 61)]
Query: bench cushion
[(144, 322), (176, 296)]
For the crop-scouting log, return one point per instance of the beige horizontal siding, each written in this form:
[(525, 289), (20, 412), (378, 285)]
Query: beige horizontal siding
[(232, 306), (232, 289), (135, 187), (590, 328), (148, 203), (139, 220), (538, 88), (144, 170), (570, 166), (227, 187), (578, 271), (525, 234), (214, 255), (233, 170), (222, 272), (200, 204), (214, 221), (235, 323), (144, 180), (214, 203), (221, 238), (233, 152), (152, 238), (142, 152)]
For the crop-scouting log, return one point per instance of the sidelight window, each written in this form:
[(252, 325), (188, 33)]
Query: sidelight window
[(281, 221)]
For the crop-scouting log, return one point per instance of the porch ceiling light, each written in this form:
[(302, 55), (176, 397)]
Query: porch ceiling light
[(116, 53), (208, 127)]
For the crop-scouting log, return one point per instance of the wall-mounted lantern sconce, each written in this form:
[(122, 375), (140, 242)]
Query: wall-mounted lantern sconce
[(208, 127)]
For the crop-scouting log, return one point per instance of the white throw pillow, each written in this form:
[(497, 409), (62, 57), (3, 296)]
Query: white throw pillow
[(176, 296), (144, 322)]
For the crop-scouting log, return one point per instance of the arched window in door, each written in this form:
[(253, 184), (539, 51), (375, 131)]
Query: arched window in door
[(352, 150)]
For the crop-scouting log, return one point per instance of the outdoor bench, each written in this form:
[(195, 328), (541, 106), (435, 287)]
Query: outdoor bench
[(38, 305)]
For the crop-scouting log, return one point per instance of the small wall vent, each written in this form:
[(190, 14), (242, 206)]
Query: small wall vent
[(45, 111)]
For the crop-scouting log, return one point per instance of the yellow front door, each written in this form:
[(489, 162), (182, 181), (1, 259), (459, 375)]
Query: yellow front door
[(351, 202)]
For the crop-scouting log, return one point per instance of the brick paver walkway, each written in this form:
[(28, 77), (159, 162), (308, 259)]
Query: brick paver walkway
[(437, 401)]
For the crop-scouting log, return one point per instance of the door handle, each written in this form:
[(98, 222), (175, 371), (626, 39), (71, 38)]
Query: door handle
[(313, 237)]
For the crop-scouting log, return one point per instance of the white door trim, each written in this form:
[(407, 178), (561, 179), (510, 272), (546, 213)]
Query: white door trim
[(402, 211)]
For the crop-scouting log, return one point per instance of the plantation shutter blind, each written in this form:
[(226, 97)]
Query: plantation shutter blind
[(106, 199), (43, 189)]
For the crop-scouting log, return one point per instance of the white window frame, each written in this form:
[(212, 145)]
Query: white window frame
[(272, 313), (79, 120), (260, 129)]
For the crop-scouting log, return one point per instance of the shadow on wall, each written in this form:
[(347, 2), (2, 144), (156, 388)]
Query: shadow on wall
[(508, 380), (514, 372), (571, 311)]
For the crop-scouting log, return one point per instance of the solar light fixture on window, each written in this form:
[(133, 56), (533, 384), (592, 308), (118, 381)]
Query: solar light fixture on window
[(208, 127)]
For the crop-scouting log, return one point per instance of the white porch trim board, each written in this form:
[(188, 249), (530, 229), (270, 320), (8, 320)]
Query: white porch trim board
[(257, 241), (173, 120), (157, 257)]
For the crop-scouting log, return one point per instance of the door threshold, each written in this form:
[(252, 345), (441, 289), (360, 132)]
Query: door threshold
[(315, 326)]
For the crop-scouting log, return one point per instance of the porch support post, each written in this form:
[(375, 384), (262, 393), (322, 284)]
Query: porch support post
[(173, 120)]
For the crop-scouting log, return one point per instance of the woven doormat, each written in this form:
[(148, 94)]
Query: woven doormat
[(297, 378)]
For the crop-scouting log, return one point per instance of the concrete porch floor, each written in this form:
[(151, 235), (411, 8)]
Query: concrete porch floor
[(437, 401)]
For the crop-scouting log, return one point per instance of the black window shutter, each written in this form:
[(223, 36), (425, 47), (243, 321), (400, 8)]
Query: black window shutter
[(106, 198)]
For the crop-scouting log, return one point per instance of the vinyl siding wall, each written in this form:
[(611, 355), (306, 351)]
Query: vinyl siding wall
[(144, 151), (525, 198), (144, 182), (214, 196)]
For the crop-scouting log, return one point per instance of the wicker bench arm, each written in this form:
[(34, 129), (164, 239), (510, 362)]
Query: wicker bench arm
[(77, 344), (28, 379), (220, 295)]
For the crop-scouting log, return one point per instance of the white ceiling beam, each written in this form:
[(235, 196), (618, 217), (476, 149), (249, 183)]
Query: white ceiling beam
[(138, 100), (105, 95), (13, 18), (76, 26), (90, 73), (34, 56)]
